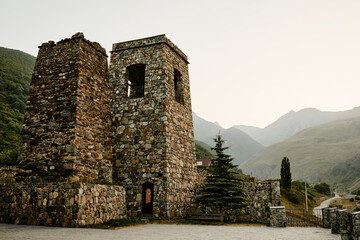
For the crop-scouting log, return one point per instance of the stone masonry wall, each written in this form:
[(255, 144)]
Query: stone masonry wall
[(277, 216), (139, 127), (8, 174), (355, 225), (343, 221), (260, 196), (180, 143), (61, 204), (153, 134), (66, 132)]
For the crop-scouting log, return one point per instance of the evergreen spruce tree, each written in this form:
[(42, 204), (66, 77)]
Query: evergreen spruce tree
[(285, 173), (221, 188)]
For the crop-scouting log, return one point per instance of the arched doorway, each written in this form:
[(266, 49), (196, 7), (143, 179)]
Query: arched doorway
[(147, 198)]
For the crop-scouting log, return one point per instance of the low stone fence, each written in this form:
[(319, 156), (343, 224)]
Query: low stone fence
[(342, 221), (8, 174), (61, 204), (277, 216), (259, 197)]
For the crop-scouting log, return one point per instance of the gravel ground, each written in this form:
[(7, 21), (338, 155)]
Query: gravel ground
[(164, 231)]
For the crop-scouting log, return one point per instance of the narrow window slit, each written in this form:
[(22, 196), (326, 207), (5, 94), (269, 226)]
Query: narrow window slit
[(135, 81), (178, 87)]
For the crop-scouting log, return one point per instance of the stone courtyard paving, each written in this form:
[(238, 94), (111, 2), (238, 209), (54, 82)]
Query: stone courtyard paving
[(165, 231)]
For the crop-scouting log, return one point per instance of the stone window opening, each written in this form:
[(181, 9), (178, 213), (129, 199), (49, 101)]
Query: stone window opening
[(178, 87), (135, 81)]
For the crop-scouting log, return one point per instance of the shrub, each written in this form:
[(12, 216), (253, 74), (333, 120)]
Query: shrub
[(293, 196), (322, 188), (356, 192), (352, 199)]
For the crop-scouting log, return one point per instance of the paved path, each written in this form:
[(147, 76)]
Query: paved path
[(324, 204), (165, 232)]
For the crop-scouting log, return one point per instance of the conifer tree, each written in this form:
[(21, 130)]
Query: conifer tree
[(285, 173), (221, 188)]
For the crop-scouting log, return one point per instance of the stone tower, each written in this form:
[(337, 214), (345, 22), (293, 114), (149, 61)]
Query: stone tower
[(66, 133), (153, 139)]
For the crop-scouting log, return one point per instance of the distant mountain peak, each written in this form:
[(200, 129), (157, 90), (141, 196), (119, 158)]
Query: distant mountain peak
[(242, 146), (309, 110), (246, 129), (217, 123), (293, 122)]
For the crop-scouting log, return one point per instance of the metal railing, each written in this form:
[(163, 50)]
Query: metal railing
[(303, 218)]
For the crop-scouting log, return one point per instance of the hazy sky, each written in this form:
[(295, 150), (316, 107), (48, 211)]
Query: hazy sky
[(250, 61)]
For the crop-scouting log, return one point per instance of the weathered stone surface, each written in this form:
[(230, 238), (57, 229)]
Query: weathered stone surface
[(8, 174), (355, 222), (259, 197), (334, 220), (67, 120), (277, 216), (345, 226), (326, 217), (344, 222), (153, 132), (61, 204)]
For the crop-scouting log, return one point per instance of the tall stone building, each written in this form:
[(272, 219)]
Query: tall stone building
[(85, 129), (153, 136), (66, 133), (101, 144)]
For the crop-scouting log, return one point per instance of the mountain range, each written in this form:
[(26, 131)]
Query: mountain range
[(321, 145), (293, 122), (317, 154), (241, 146)]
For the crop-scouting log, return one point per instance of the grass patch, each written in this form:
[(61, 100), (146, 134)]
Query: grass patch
[(343, 203)]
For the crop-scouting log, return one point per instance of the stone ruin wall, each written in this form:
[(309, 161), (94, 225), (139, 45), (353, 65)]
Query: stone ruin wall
[(342, 221), (180, 139), (260, 196), (62, 205), (66, 142), (66, 132), (153, 134)]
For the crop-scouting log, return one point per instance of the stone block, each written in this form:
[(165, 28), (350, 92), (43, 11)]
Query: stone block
[(277, 216), (345, 224)]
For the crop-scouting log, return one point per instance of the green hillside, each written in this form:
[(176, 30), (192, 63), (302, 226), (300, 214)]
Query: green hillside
[(346, 174), (313, 152), (16, 68), (203, 150)]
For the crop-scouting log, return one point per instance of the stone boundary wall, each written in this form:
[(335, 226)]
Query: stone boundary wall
[(61, 204), (259, 197), (8, 174), (342, 221), (277, 216)]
